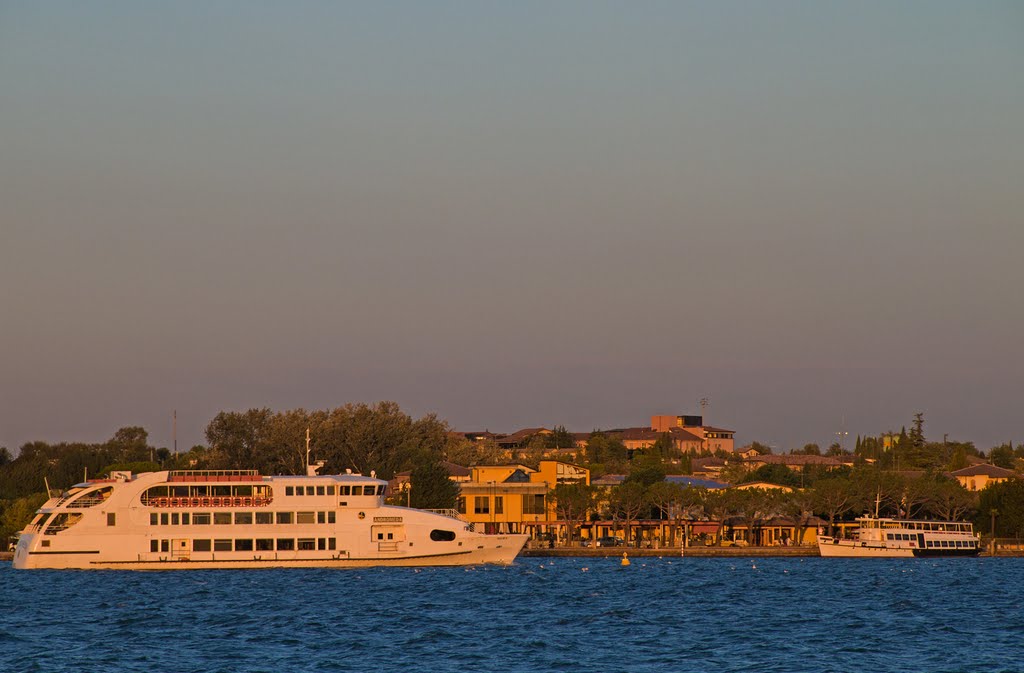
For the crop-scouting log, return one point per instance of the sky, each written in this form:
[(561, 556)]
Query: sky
[(513, 215)]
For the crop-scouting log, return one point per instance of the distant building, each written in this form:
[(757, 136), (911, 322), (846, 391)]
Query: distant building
[(712, 438), (980, 477)]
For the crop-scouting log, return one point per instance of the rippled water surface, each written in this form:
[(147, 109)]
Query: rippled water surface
[(583, 614)]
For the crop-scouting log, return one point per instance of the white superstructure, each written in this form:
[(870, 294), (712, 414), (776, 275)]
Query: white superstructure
[(240, 519), (893, 538)]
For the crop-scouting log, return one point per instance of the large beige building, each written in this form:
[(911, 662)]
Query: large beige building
[(711, 438)]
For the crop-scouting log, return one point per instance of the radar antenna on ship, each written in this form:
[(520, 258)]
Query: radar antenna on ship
[(312, 469)]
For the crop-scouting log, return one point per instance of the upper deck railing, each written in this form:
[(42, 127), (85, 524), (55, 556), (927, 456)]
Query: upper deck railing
[(214, 475)]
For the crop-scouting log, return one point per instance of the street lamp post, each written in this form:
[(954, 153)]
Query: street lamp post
[(993, 512)]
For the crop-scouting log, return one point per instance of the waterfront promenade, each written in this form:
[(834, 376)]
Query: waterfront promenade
[(666, 552)]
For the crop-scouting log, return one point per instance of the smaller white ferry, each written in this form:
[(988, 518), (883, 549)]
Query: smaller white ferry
[(188, 519), (894, 538)]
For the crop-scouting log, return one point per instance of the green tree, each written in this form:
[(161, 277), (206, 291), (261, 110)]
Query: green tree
[(469, 453), (431, 486), (239, 440), (958, 459), (130, 444), (917, 431), (560, 438), (756, 506), (667, 498), (663, 446), (720, 505), (18, 513), (646, 471), (1007, 498), (951, 502), (1002, 456), (834, 498), (799, 506), (775, 474), (628, 501), (572, 503), (606, 450)]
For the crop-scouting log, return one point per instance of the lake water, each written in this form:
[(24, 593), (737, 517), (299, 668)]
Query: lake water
[(580, 614)]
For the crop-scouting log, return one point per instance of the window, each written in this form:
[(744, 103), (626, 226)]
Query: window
[(243, 518), (307, 543), (305, 517), (243, 545), (460, 504), (285, 544), (222, 545), (499, 505), (319, 490), (357, 490), (154, 519), (330, 490), (184, 518), (111, 519), (265, 544), (175, 519), (264, 517), (533, 504), (165, 519), (344, 490), (321, 543), (330, 517), (222, 518), (331, 543), (284, 517), (442, 535), (289, 490), (481, 505), (165, 545), (154, 545), (201, 519), (201, 545), (310, 490)]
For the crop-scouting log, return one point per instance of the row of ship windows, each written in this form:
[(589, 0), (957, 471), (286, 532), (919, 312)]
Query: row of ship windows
[(944, 544), (950, 544), (368, 489), (248, 544), (237, 518)]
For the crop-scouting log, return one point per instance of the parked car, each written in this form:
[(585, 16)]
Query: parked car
[(610, 541)]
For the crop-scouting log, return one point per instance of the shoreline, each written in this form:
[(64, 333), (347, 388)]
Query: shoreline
[(670, 552)]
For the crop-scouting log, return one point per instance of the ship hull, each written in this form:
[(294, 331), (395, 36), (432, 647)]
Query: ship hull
[(491, 550), (832, 548)]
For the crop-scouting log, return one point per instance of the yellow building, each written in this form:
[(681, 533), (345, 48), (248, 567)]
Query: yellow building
[(514, 498)]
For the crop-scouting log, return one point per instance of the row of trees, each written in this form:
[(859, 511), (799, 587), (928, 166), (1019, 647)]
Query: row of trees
[(833, 498)]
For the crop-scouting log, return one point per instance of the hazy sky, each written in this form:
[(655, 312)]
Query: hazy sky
[(513, 214)]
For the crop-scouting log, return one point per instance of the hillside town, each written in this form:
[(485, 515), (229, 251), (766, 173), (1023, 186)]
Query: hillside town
[(710, 492), (671, 482)]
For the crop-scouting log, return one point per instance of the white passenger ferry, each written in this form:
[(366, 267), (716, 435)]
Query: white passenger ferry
[(890, 538), (240, 519)]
